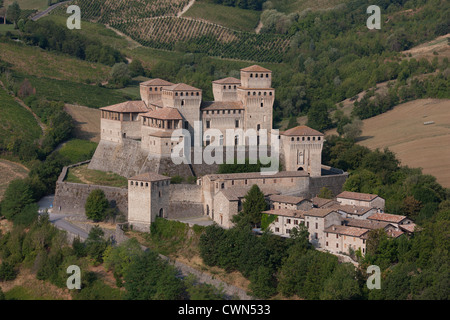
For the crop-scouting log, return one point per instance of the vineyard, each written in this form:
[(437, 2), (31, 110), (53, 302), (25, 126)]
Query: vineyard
[(154, 23), (117, 11), (170, 33)]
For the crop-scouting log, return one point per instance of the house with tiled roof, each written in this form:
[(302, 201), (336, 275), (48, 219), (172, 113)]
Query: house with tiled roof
[(393, 219), (361, 199)]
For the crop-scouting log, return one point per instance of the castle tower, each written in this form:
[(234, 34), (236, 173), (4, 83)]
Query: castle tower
[(187, 100), (226, 89), (257, 96), (121, 120), (151, 90), (302, 149), (148, 197)]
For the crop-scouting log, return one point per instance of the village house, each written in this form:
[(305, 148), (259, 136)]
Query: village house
[(361, 199)]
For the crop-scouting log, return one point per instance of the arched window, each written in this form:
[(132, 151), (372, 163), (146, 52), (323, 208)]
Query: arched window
[(251, 75)]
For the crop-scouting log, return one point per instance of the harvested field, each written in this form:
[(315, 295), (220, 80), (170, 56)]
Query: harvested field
[(416, 144), (87, 122)]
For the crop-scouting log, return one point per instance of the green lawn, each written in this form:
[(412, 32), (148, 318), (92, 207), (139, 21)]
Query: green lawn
[(16, 121), (231, 17), (82, 174), (6, 27), (29, 4), (78, 150)]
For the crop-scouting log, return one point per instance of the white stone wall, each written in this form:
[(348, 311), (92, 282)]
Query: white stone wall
[(111, 130)]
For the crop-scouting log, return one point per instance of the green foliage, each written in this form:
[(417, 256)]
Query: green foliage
[(7, 271), (342, 285), (325, 193), (13, 12), (96, 205), (150, 278), (266, 220), (254, 203), (168, 236), (202, 291), (17, 197), (120, 75), (77, 150), (96, 244)]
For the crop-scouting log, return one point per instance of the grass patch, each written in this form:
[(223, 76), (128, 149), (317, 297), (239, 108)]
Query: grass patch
[(72, 92), (51, 64), (10, 171), (6, 27), (16, 121), (23, 293), (231, 17), (29, 4), (78, 150), (82, 174)]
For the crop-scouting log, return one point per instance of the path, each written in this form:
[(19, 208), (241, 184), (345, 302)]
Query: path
[(185, 9), (46, 11)]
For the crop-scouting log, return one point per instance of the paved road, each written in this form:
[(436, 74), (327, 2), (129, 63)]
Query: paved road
[(59, 220), (46, 11)]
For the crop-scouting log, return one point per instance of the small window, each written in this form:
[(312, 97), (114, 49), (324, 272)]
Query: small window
[(251, 75)]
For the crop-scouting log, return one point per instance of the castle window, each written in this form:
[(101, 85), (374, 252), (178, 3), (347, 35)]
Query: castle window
[(229, 87), (182, 102), (176, 94), (245, 181), (181, 93), (208, 124), (146, 184), (197, 93), (270, 93), (156, 89), (232, 182), (142, 184), (265, 93), (262, 104), (292, 139), (318, 138), (236, 123), (314, 138), (254, 93), (251, 75), (131, 182), (309, 138), (150, 89), (234, 87), (192, 94), (259, 93), (222, 186), (267, 75), (298, 138), (303, 138), (248, 93), (256, 75), (159, 193)]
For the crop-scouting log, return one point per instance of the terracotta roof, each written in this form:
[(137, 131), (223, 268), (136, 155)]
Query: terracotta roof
[(394, 233), (181, 87), (320, 202), (366, 224), (127, 106), (319, 212), (156, 82), (163, 134), (301, 131), (166, 113), (286, 199), (158, 104), (286, 213), (387, 217), (257, 175), (229, 80), (234, 194), (346, 230), (355, 210), (255, 68), (411, 227), (221, 105), (149, 177), (357, 196)]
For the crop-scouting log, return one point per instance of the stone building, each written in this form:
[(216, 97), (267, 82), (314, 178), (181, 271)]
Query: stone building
[(361, 199)]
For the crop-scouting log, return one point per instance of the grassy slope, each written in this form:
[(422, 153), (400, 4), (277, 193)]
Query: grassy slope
[(16, 120), (29, 4), (289, 6), (234, 18), (8, 172)]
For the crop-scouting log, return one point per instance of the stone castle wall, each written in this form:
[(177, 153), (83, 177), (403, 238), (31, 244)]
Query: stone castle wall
[(185, 200), (70, 197)]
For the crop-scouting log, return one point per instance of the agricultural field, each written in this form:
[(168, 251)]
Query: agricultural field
[(29, 4), (41, 63), (230, 17), (289, 6), (403, 131), (117, 11), (10, 171), (183, 34), (86, 120), (16, 121)]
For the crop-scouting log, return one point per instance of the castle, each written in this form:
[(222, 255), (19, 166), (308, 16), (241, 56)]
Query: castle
[(138, 139)]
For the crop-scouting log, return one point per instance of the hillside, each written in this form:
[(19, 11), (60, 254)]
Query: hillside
[(403, 131)]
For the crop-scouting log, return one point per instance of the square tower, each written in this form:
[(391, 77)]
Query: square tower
[(151, 90), (302, 149), (148, 198)]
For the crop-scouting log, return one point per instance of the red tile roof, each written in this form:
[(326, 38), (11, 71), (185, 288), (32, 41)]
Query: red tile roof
[(149, 176), (236, 193), (229, 80), (286, 199), (255, 68), (286, 213), (346, 230), (301, 131), (394, 218), (181, 87), (166, 113), (357, 196), (354, 210), (157, 82), (319, 212), (127, 106)]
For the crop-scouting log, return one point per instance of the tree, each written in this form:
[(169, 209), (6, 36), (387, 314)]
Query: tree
[(411, 207), (253, 205), (17, 196), (318, 117), (342, 285), (96, 244), (13, 13), (96, 205), (120, 74), (352, 130), (325, 193)]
